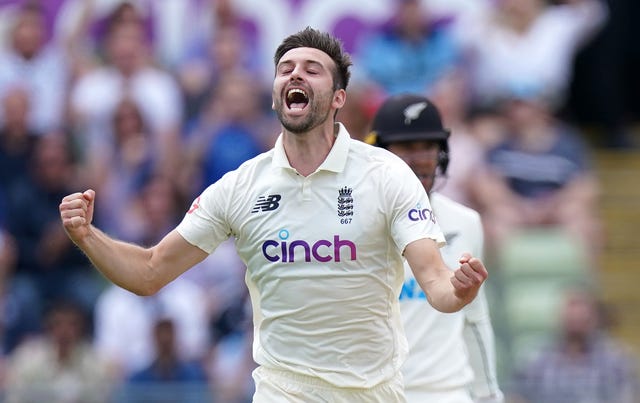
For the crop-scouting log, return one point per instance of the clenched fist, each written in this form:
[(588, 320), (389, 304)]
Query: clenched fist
[(76, 212), (468, 278)]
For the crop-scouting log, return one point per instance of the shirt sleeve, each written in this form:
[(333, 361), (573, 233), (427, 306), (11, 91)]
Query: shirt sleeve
[(205, 225), (412, 216)]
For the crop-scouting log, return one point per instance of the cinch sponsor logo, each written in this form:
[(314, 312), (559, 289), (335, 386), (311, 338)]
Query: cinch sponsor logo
[(284, 250), (418, 214), (411, 290)]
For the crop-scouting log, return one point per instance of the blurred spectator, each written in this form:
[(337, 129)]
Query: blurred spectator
[(118, 12), (7, 257), (46, 257), (168, 378), (157, 208), (233, 127), (487, 124), (231, 363), (16, 137), (16, 318), (117, 173), (124, 324), (363, 99), (37, 65), (608, 107), (540, 175), (148, 213), (583, 364), (19, 299), (58, 366), (81, 52), (410, 53), (171, 25), (129, 73), (527, 41), (207, 60), (221, 278), (466, 152)]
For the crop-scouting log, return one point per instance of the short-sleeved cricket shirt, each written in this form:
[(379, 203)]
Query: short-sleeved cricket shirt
[(323, 256)]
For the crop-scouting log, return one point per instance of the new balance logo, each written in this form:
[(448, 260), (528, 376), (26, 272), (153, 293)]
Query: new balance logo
[(267, 203)]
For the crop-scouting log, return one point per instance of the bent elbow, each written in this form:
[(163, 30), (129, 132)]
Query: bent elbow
[(147, 290), (148, 285), (448, 306)]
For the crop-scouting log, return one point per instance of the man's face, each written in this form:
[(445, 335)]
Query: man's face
[(303, 95), (29, 33), (421, 156)]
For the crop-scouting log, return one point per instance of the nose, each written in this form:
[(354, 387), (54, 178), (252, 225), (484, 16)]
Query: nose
[(296, 74)]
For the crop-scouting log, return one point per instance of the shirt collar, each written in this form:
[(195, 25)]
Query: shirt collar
[(335, 161)]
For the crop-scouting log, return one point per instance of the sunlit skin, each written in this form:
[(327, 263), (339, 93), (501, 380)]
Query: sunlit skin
[(308, 130)]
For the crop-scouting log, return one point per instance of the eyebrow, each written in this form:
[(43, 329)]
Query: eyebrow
[(308, 62)]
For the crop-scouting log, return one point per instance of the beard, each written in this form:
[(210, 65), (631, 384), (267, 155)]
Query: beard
[(318, 112)]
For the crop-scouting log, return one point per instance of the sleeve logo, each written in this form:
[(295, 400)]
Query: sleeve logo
[(420, 214), (195, 205)]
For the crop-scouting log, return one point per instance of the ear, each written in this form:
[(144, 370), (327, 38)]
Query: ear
[(339, 98)]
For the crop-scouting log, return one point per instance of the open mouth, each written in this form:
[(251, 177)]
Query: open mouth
[(297, 99)]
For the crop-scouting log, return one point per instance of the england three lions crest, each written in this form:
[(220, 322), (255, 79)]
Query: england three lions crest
[(345, 202)]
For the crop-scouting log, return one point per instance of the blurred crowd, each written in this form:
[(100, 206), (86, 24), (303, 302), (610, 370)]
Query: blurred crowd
[(148, 119)]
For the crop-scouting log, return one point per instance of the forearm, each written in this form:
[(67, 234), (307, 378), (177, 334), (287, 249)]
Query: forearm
[(441, 293), (126, 265), (137, 269), (447, 291)]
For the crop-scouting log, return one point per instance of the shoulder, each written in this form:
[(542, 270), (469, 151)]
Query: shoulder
[(376, 157), (248, 169), (259, 161), (384, 172), (240, 180)]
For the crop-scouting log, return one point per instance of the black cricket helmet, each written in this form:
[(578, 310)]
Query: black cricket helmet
[(410, 117)]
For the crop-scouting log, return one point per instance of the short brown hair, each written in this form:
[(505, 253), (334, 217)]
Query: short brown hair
[(325, 42)]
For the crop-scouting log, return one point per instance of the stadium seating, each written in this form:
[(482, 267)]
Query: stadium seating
[(534, 267)]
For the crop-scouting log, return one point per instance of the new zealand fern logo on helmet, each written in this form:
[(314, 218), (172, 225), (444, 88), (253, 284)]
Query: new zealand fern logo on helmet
[(413, 111)]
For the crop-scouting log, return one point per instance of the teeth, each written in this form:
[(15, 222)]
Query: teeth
[(296, 91)]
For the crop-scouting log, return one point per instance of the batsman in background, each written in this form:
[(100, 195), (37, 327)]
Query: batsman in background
[(451, 356)]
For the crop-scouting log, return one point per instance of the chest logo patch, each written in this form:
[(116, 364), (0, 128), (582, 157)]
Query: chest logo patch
[(345, 202), (267, 203)]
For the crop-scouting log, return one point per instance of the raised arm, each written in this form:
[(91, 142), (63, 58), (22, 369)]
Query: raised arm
[(447, 290), (142, 271)]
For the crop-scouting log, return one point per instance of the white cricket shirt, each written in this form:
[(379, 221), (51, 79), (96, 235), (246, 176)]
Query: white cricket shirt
[(437, 354), (323, 256)]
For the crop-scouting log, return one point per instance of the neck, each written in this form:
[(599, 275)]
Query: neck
[(307, 151)]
